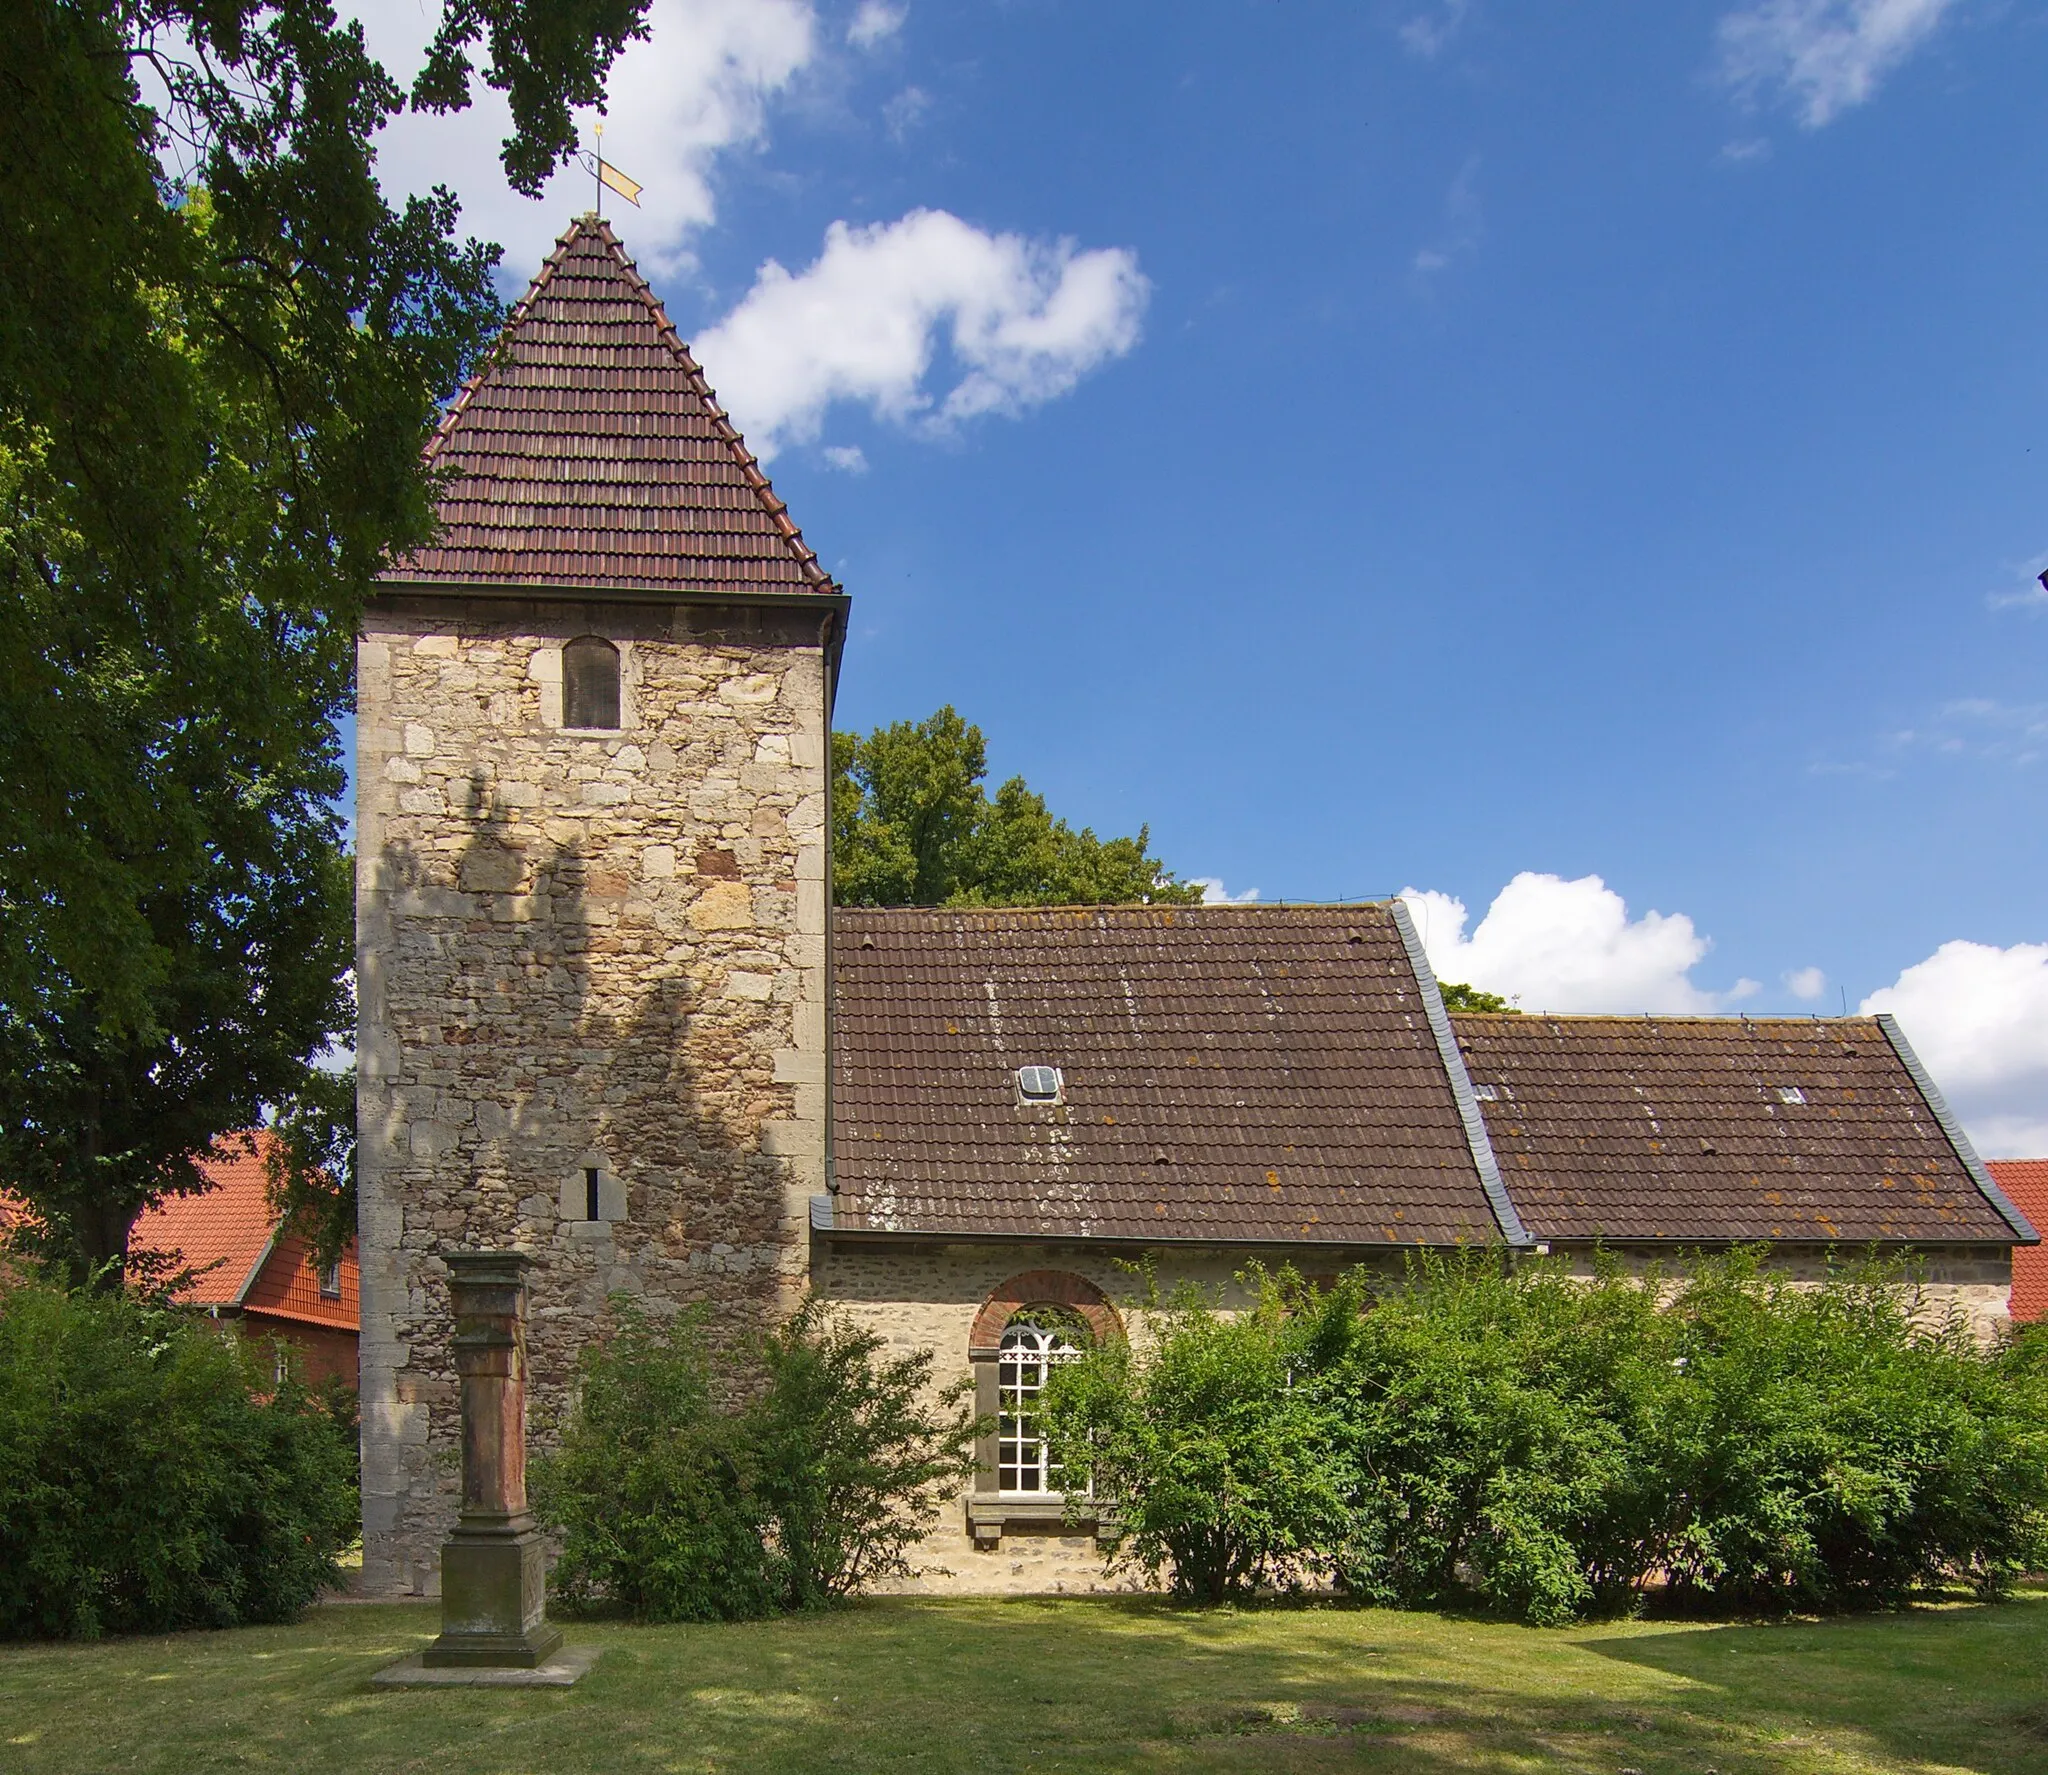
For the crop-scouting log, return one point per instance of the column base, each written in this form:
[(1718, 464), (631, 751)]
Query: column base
[(494, 1601)]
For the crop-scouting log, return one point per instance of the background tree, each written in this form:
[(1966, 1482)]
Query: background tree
[(913, 826), (1459, 997), (220, 351)]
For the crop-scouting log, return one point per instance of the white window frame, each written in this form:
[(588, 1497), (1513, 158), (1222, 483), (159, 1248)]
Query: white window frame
[(1026, 1355)]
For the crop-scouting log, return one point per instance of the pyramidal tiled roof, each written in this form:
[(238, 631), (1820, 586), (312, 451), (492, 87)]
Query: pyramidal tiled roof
[(590, 451)]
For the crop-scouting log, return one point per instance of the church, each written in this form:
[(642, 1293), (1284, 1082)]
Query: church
[(608, 1015)]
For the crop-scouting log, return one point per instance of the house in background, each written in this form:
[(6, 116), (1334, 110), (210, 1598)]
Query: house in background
[(253, 1272), (2026, 1182)]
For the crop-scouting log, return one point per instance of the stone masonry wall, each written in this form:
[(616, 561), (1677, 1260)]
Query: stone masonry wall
[(1973, 1280), (577, 951)]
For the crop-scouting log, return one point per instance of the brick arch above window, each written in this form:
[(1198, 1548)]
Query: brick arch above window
[(1052, 1287)]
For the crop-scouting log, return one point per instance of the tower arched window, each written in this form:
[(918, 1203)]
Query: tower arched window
[(590, 683)]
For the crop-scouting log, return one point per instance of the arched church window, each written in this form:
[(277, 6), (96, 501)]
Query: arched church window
[(590, 683), (1036, 1340)]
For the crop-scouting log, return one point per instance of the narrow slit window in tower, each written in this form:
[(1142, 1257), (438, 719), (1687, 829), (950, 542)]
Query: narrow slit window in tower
[(590, 1192)]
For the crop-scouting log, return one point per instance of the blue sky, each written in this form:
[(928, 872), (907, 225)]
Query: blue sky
[(1421, 446)]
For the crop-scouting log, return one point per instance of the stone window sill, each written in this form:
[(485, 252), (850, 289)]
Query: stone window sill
[(991, 1516)]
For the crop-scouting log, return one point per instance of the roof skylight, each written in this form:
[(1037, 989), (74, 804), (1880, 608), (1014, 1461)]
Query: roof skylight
[(1040, 1084)]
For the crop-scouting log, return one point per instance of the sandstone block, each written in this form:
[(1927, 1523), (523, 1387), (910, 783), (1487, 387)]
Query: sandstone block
[(793, 1139), (752, 690), (723, 906)]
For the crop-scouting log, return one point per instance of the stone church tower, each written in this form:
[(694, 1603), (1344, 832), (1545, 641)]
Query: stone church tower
[(593, 739)]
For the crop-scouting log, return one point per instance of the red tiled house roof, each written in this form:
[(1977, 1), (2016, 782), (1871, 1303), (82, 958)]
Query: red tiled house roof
[(1273, 1075), (1712, 1129), (230, 1234), (2026, 1182), (590, 452)]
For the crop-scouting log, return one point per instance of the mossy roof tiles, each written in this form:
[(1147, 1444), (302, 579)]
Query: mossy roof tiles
[(1711, 1129)]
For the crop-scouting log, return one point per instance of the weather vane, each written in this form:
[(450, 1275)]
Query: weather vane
[(608, 174)]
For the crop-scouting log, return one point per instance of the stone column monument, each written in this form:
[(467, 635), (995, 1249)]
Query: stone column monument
[(493, 1567)]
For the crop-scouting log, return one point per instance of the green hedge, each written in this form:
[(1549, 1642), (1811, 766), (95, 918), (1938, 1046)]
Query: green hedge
[(1561, 1446), (672, 1505), (156, 1474)]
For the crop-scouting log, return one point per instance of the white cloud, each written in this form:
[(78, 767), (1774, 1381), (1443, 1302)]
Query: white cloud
[(1464, 222), (1555, 945), (1826, 56), (1806, 983), (699, 86), (1429, 33), (1213, 893), (1978, 1017), (1981, 727), (1020, 322), (905, 112), (847, 458), (2027, 588), (875, 20)]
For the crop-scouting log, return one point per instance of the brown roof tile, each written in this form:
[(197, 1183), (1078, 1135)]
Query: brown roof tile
[(1231, 1074), (591, 452), (1680, 1129)]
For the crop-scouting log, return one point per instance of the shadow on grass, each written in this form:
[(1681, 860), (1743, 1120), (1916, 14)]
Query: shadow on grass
[(1958, 1685)]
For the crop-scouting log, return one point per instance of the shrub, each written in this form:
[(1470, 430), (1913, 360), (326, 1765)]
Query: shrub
[(1842, 1446), (673, 1507), (1560, 1444), (652, 1490), (155, 1474), (852, 1462), (1499, 1429), (1222, 1474)]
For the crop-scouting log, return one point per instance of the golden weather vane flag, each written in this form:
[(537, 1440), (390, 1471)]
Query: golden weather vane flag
[(607, 174)]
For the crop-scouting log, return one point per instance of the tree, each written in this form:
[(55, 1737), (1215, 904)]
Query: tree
[(913, 826), (1459, 997), (220, 350)]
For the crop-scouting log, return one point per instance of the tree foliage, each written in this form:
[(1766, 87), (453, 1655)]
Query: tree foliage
[(1460, 997), (220, 351), (676, 1505), (912, 825)]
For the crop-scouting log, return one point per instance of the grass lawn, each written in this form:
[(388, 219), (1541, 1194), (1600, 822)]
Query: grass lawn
[(989, 1687)]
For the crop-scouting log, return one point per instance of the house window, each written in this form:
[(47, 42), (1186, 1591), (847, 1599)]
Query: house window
[(330, 1280), (1031, 1346), (590, 683)]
